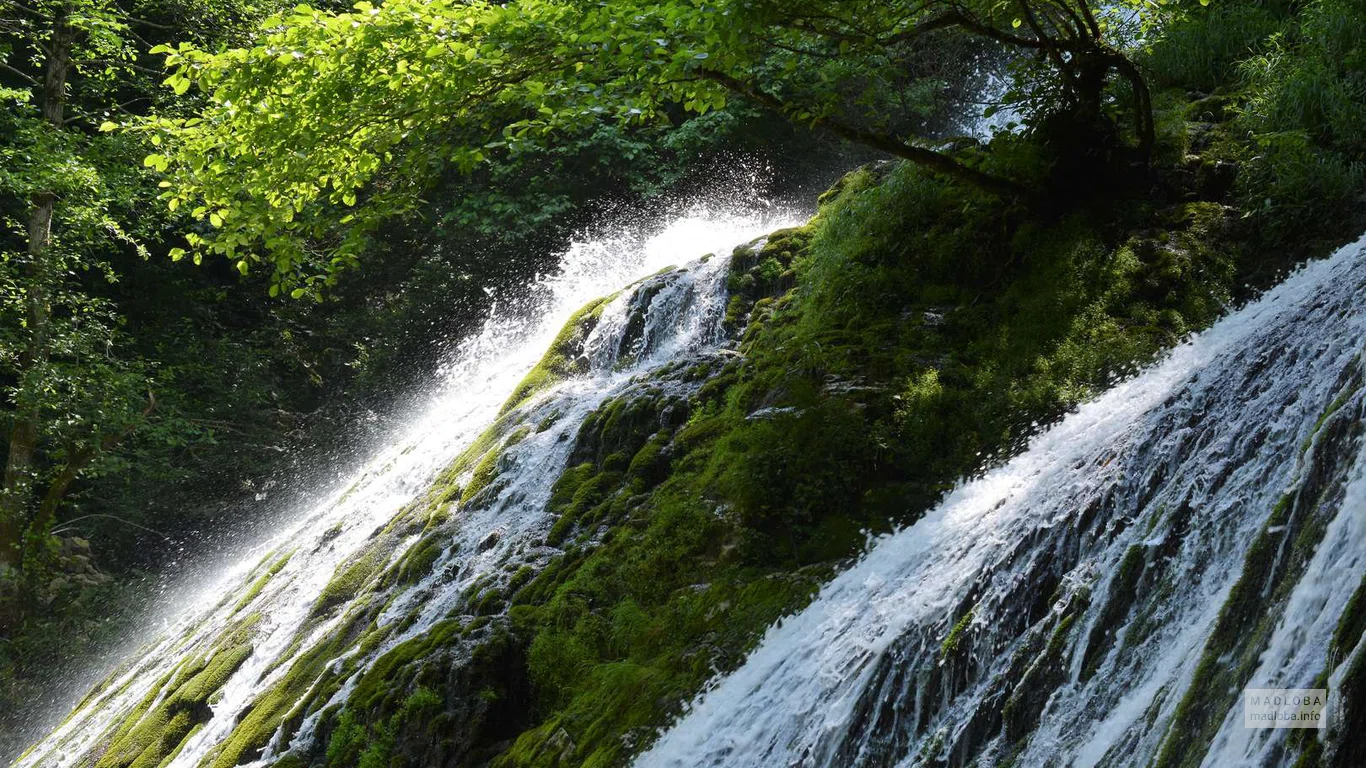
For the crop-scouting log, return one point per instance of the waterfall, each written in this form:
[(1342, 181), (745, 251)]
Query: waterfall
[(250, 636), (1101, 599)]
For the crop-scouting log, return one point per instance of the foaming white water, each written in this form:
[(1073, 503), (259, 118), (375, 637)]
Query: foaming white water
[(1174, 472), (271, 591)]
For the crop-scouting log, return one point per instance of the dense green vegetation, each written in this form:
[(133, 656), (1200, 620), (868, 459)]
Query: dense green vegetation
[(329, 123), (913, 330), (156, 403), (932, 315)]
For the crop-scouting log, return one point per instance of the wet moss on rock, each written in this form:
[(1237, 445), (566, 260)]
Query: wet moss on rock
[(255, 589), (178, 706), (564, 358), (1123, 590), (1272, 567), (486, 471), (307, 683)]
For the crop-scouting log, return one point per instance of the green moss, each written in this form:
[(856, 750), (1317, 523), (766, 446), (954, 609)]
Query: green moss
[(1034, 687), (487, 468), (562, 359), (347, 584), (519, 579), (417, 562), (1336, 405), (1272, 567), (380, 684), (1351, 625), (255, 589), (153, 733), (955, 636), (1123, 590), (306, 684)]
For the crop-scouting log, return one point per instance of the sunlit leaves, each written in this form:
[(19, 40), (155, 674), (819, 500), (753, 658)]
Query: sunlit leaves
[(331, 122)]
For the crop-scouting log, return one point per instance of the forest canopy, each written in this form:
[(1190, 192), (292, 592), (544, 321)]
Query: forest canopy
[(332, 122)]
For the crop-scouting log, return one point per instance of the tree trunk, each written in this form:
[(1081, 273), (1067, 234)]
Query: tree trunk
[(23, 442)]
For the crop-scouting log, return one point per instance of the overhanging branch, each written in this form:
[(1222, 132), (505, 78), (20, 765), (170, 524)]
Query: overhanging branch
[(927, 158)]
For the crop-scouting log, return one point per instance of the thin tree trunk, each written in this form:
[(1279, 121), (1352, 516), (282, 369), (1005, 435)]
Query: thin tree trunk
[(23, 441), (1143, 102), (75, 465)]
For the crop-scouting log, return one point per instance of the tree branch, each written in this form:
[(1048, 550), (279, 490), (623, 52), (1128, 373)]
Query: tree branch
[(121, 63), (1047, 43), (957, 18), (803, 51), (934, 161), (66, 526), (33, 81), (1090, 18), (56, 491), (1143, 100)]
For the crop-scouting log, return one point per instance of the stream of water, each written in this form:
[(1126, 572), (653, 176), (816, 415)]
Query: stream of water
[(279, 582), (1055, 611)]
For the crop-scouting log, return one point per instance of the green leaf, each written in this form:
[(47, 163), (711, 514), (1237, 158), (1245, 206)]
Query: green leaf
[(108, 126)]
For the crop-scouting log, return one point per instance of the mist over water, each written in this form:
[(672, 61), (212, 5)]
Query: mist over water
[(294, 563)]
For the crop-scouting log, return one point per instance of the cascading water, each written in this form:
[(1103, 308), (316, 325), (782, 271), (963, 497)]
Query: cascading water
[(251, 636), (1099, 600), (1103, 598)]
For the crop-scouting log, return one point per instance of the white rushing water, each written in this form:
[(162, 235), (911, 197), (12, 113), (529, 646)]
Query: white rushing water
[(682, 318), (1182, 466), (1056, 610)]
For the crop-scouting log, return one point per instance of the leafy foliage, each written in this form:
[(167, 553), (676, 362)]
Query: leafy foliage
[(1289, 76), (331, 123)]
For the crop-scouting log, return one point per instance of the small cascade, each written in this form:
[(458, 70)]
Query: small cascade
[(425, 543), (1103, 598)]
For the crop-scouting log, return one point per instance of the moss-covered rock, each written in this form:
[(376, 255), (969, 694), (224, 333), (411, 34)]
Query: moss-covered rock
[(1272, 568), (178, 706), (564, 358)]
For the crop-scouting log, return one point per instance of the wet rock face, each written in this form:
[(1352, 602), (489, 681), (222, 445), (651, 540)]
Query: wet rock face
[(454, 703), (1105, 596)]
